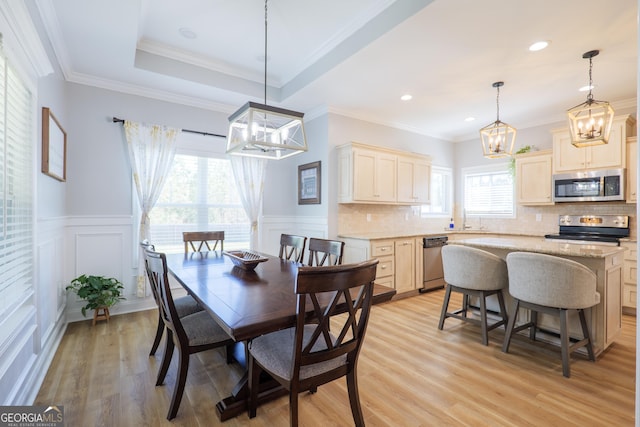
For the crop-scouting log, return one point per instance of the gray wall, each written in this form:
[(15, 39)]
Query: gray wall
[(98, 169)]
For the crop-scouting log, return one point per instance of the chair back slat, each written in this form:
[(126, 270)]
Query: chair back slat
[(336, 296), (292, 247), (159, 277), (325, 252), (197, 241)]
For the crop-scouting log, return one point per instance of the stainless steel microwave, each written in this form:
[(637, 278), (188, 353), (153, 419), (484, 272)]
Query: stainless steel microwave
[(589, 186)]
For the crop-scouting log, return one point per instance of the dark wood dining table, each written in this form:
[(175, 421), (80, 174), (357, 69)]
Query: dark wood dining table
[(246, 304)]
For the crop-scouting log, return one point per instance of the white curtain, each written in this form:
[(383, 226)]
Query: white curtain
[(249, 174), (151, 151)]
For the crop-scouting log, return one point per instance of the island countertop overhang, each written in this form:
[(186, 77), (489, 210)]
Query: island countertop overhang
[(541, 245)]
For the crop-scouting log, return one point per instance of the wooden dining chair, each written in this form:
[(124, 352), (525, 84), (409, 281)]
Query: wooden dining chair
[(191, 334), (325, 252), (292, 247), (185, 305), (197, 240), (309, 355)]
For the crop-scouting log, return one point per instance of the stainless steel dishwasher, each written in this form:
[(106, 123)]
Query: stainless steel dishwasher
[(433, 274)]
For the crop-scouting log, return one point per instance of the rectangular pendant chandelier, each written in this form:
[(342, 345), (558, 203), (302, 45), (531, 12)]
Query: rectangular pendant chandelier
[(260, 130)]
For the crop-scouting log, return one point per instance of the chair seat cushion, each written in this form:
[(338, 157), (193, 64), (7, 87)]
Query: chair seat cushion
[(186, 305), (274, 351), (202, 329)]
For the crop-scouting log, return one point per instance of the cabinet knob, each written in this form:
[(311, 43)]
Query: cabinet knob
[(383, 249), (383, 267)]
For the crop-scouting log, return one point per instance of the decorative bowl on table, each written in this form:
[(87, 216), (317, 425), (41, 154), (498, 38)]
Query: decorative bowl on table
[(245, 260)]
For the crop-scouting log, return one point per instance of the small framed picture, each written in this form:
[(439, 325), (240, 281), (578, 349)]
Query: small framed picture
[(309, 184), (54, 147)]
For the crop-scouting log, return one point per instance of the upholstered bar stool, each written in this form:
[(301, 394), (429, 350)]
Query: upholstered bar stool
[(554, 285), (473, 273)]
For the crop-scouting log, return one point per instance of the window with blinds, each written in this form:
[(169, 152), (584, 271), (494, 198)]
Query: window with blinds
[(488, 190), (16, 193), (199, 194)]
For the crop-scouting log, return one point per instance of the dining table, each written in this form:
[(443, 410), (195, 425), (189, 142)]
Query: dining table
[(246, 304)]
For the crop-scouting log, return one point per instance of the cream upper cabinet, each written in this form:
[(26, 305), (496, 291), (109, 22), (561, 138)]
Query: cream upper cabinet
[(369, 174), (414, 176), (374, 176), (632, 170), (612, 155), (533, 178)]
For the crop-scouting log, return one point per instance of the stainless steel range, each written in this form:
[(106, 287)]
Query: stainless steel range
[(593, 229)]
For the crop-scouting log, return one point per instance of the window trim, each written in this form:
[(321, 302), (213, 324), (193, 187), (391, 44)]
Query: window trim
[(444, 170)]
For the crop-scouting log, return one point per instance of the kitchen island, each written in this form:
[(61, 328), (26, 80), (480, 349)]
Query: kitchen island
[(605, 319)]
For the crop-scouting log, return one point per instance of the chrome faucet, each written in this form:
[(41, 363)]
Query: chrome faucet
[(465, 226)]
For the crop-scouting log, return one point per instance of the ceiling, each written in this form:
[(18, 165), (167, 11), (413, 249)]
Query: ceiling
[(356, 57)]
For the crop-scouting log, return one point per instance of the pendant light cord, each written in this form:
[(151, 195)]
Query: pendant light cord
[(265, 52), (590, 96), (498, 105)]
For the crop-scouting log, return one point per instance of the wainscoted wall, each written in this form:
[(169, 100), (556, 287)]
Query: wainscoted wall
[(32, 332), (534, 220), (273, 226), (104, 246)]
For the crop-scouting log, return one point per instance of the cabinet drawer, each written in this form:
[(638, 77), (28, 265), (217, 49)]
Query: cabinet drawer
[(385, 281), (630, 272), (382, 248), (385, 267)]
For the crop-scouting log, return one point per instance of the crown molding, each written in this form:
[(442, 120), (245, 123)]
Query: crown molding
[(146, 92), (21, 38)]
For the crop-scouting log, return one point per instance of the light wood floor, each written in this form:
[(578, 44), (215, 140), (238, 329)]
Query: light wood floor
[(410, 374)]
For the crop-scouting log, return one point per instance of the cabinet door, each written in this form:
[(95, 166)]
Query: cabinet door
[(533, 180), (632, 171), (566, 157), (405, 267), (364, 166), (609, 155), (385, 177), (414, 176)]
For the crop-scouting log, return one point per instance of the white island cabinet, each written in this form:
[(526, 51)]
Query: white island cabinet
[(605, 319)]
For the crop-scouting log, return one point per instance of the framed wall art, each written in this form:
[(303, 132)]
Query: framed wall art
[(309, 184), (54, 147)]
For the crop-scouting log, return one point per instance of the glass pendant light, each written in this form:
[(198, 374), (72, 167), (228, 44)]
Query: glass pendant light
[(590, 122), (498, 137), (260, 130)]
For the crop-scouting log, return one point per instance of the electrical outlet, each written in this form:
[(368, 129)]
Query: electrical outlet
[(406, 217), (368, 217), (538, 217)]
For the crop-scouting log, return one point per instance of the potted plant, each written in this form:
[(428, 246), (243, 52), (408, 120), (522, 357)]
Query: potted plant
[(99, 292), (522, 150)]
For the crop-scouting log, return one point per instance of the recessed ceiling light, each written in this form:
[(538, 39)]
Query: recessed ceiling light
[(538, 46), (406, 97), (586, 88), (469, 119), (187, 33)]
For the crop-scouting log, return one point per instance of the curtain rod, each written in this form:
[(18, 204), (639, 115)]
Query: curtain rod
[(117, 120)]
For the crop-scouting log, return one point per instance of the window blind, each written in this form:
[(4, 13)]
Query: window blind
[(16, 190), (488, 191)]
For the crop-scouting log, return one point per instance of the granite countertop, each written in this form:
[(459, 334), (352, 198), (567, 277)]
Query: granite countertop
[(541, 245), (379, 235)]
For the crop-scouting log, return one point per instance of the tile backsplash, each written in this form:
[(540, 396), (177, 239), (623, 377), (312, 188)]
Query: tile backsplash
[(530, 220)]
